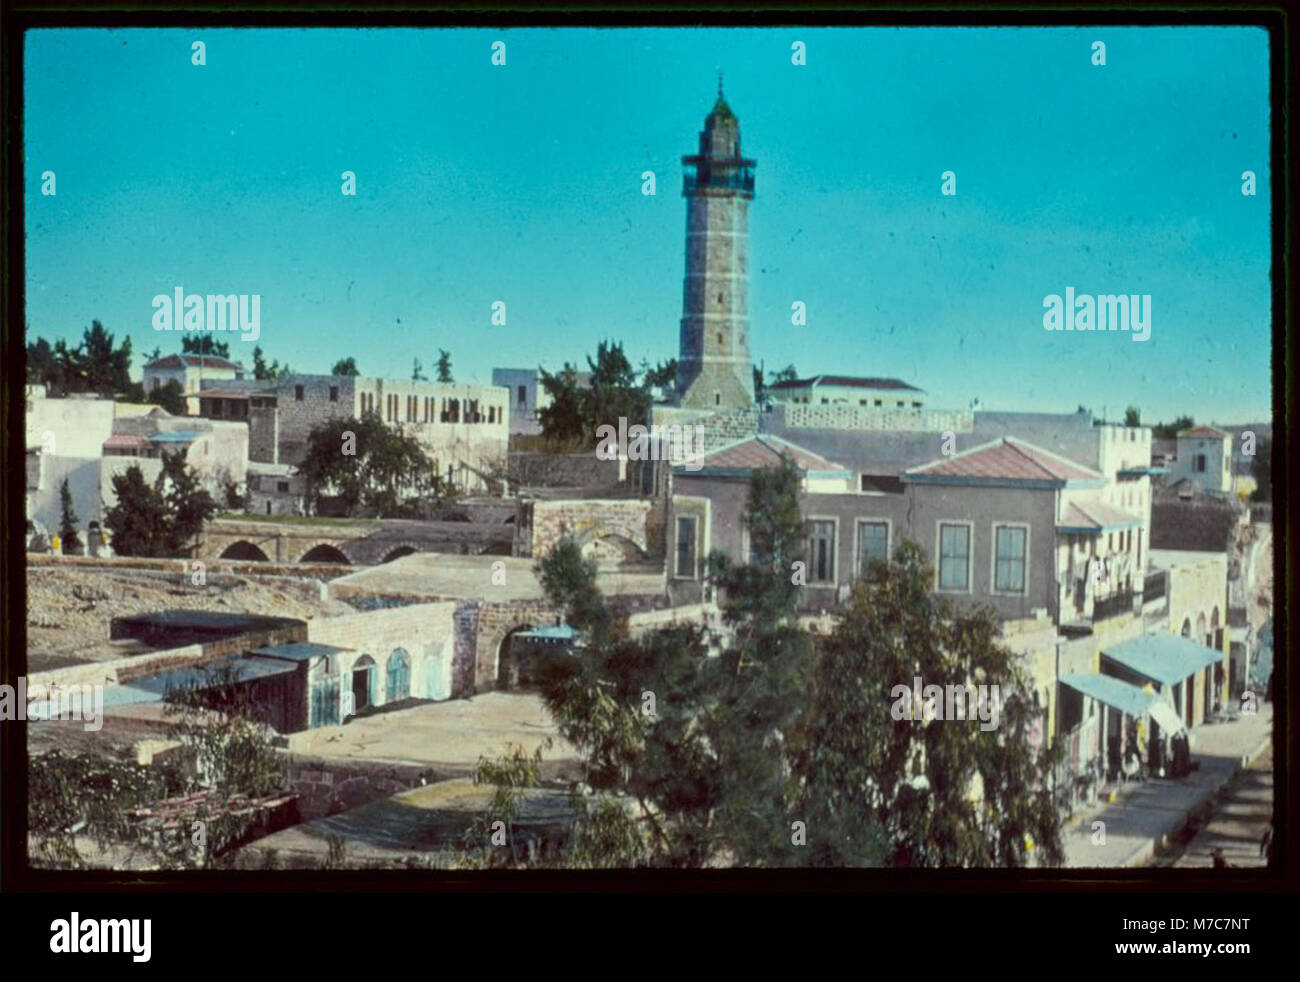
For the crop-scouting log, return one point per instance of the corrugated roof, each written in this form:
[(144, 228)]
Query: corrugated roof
[(1206, 432), (176, 436), (1114, 692), (223, 393), (1006, 460), (125, 441), (299, 650), (1166, 658), (1096, 516)]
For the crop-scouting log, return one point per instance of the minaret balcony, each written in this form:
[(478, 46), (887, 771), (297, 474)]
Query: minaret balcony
[(704, 174)]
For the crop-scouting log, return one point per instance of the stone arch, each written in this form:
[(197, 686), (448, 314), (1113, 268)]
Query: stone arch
[(1186, 632), (325, 552), (507, 668), (397, 552), (611, 545), (360, 690), (1200, 628), (245, 551)]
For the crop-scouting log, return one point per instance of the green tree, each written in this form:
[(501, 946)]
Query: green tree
[(1168, 431), (345, 367), (96, 365), (189, 506), (787, 374), (68, 520), (205, 344), (417, 372), (375, 470), (263, 372), (704, 779), (948, 793), (613, 392), (443, 366), (138, 521), (170, 396), (161, 519), (1132, 417)]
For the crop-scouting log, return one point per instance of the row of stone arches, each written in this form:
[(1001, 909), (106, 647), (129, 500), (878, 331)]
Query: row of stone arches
[(322, 552)]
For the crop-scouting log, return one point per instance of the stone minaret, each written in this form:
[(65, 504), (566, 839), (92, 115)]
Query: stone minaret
[(714, 368)]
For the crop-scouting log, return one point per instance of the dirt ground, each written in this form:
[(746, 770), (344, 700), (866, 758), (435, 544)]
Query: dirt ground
[(69, 608)]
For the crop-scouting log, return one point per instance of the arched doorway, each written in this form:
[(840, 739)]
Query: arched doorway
[(363, 683), (324, 553), (508, 676), (399, 676), (245, 552), (1187, 628)]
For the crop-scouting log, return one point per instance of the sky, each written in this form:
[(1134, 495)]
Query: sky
[(522, 183)]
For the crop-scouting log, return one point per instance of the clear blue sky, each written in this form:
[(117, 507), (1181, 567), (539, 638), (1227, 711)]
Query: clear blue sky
[(522, 183)]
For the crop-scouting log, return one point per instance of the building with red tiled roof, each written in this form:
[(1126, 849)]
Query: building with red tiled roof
[(1006, 463), (190, 372)]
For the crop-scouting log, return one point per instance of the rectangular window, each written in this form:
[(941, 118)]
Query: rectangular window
[(1009, 561), (878, 403), (821, 552), (334, 393), (685, 564), (282, 487), (522, 398), (873, 543), (1200, 463), (954, 557), (297, 393)]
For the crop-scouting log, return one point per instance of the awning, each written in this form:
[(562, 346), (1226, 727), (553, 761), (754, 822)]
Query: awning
[(1117, 694), (1166, 718), (1165, 658)]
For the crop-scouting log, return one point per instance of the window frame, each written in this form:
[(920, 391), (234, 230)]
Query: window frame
[(694, 519), (938, 555), (857, 540), (1024, 560), (834, 557)]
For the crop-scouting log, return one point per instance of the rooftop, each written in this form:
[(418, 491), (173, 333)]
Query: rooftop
[(1005, 461), (759, 452), (850, 381), (194, 361)]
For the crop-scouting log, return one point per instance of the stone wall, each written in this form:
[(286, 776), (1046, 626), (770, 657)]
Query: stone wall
[(591, 521)]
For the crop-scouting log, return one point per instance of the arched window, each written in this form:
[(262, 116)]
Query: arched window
[(1187, 628), (399, 676), (362, 688)]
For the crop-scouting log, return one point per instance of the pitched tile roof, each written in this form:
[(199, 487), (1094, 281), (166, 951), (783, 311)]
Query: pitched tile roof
[(1206, 432), (764, 451), (193, 361), (1008, 459)]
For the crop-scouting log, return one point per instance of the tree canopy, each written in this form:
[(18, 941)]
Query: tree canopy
[(375, 470)]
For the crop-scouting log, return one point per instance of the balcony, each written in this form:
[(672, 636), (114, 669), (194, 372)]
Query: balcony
[(1114, 605), (704, 174), (1155, 586)]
